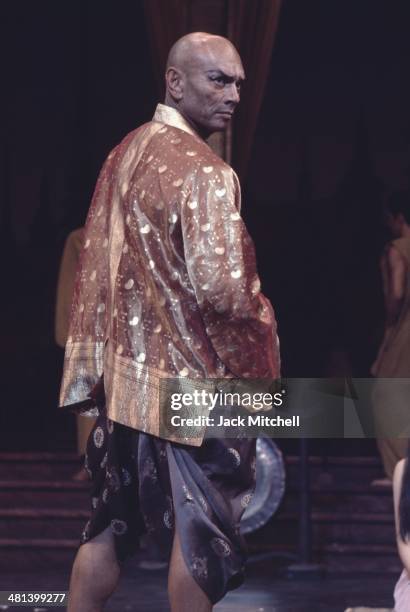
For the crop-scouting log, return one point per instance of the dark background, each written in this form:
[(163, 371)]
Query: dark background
[(333, 138)]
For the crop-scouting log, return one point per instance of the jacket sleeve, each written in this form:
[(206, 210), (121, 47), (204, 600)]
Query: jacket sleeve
[(220, 259)]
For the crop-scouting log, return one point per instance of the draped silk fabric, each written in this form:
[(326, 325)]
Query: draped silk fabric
[(167, 285)]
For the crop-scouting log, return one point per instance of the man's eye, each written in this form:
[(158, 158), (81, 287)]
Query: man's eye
[(219, 80)]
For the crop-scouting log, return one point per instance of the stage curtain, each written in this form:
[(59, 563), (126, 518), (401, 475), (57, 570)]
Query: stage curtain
[(167, 21), (252, 29)]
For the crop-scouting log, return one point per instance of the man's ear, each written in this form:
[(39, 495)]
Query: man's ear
[(175, 83)]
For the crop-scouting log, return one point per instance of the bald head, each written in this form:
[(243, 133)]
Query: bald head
[(203, 78), (196, 45)]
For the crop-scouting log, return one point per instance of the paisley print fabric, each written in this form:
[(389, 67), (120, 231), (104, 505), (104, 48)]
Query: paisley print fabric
[(141, 483)]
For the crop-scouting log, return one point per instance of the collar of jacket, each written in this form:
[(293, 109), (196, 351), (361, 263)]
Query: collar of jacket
[(170, 116)]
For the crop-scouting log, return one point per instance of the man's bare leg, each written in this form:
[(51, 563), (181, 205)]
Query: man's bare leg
[(95, 574), (184, 592)]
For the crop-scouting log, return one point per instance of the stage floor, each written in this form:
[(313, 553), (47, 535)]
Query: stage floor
[(263, 591)]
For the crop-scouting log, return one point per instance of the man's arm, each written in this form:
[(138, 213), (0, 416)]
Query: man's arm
[(221, 264), (393, 270)]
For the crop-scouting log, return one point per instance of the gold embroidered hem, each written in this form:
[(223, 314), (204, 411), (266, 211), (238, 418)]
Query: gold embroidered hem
[(133, 389), (83, 367)]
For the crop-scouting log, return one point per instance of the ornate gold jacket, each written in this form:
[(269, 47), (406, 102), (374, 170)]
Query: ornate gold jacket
[(167, 285)]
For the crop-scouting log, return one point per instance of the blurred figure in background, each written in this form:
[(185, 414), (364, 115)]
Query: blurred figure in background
[(393, 359)]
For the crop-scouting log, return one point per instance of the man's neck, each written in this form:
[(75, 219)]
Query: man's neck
[(170, 102)]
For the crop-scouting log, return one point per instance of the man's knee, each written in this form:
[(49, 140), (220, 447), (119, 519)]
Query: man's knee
[(95, 558)]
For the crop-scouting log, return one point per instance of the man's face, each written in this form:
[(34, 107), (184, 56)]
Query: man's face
[(211, 87)]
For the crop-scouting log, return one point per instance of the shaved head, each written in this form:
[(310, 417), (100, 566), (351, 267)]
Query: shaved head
[(196, 44), (203, 78)]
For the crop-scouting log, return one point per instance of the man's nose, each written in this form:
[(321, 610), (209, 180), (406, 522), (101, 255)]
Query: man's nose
[(233, 93)]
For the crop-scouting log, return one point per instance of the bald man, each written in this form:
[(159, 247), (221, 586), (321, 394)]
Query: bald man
[(167, 289)]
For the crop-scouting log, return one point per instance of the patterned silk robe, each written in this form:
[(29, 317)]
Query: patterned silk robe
[(167, 285)]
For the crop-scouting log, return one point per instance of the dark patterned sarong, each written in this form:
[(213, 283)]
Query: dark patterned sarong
[(141, 483)]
